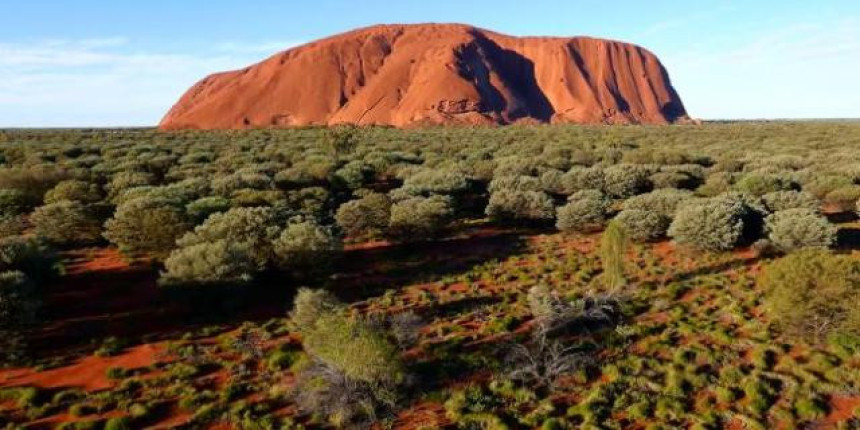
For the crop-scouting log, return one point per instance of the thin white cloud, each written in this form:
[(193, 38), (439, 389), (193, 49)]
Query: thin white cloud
[(102, 82)]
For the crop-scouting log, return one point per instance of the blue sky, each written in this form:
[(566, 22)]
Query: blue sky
[(124, 62)]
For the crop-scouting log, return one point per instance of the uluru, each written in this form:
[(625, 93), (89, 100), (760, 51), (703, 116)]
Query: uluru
[(436, 74)]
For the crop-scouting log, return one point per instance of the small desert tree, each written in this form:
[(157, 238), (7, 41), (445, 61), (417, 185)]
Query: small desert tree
[(208, 263), (613, 245), (355, 371), (66, 222), (367, 216), (74, 190), (508, 205), (642, 226), (252, 229), (306, 246), (147, 224), (420, 218), (713, 225), (585, 210), (813, 293), (792, 229), (782, 200)]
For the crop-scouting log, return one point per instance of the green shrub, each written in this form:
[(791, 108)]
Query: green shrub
[(354, 370), (200, 209), (622, 180), (792, 229), (663, 202), (118, 423), (509, 205), (843, 198), (582, 178), (713, 225), (12, 225), (355, 348), (249, 230), (759, 184), (306, 245), (122, 181), (32, 182), (716, 184), (30, 256), (822, 185), (432, 181), (19, 301), (74, 190), (642, 226), (585, 210), (782, 200), (14, 202), (367, 216), (420, 218), (219, 262), (66, 222), (145, 224), (309, 305), (813, 293)]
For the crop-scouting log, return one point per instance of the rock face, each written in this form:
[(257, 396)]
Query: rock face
[(407, 75)]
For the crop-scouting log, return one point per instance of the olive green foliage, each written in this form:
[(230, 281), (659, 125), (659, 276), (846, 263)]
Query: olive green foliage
[(31, 182), (663, 202), (30, 256), (306, 245), (19, 300), (613, 245), (74, 190), (792, 229), (510, 205), (420, 218), (428, 182), (149, 225), (67, 222), (622, 181), (782, 200), (308, 306), (585, 210), (583, 178), (218, 262), (716, 224), (814, 293), (250, 229), (122, 181), (366, 216), (759, 184), (642, 226), (200, 209), (843, 198), (354, 371), (13, 202), (822, 185), (12, 225)]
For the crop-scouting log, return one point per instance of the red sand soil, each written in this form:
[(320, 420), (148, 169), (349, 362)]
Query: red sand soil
[(89, 373), (425, 74)]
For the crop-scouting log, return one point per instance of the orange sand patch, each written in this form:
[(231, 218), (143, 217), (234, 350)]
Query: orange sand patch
[(89, 373)]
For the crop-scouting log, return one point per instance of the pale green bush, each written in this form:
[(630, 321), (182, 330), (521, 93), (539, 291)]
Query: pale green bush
[(792, 229), (420, 218), (67, 222), (641, 225), (510, 205), (586, 210)]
